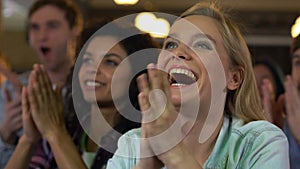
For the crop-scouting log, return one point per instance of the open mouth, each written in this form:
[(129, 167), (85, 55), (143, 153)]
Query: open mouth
[(181, 77), (45, 50), (91, 83)]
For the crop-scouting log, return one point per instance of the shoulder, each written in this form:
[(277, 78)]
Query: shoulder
[(258, 143), (131, 139), (128, 152), (255, 129)]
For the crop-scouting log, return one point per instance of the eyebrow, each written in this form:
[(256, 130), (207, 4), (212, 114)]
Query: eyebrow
[(106, 55), (196, 36), (49, 22), (113, 54)]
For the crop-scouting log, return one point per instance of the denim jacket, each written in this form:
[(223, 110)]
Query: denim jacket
[(257, 145)]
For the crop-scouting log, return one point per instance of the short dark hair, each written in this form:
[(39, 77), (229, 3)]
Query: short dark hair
[(72, 12)]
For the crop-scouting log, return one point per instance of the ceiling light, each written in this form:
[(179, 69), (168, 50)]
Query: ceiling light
[(126, 2), (295, 30), (156, 27)]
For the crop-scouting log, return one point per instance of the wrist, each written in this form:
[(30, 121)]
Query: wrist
[(56, 135), (8, 137)]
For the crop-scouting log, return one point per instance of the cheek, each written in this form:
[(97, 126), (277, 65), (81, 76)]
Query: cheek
[(296, 73), (163, 58), (80, 76)]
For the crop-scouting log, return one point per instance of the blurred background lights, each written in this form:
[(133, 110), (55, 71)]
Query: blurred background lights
[(156, 27), (295, 30), (126, 2)]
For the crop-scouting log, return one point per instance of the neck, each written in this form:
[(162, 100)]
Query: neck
[(59, 75), (202, 150)]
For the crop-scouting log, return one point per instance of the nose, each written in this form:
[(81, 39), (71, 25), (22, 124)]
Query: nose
[(42, 35), (92, 70), (182, 52)]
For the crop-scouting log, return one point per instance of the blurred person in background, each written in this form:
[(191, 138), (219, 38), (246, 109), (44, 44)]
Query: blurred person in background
[(53, 29), (269, 79)]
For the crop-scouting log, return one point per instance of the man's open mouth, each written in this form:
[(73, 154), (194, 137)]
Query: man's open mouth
[(45, 50), (181, 77)]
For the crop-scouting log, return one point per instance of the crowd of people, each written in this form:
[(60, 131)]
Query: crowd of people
[(197, 101)]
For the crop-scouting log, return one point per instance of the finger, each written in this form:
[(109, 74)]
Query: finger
[(17, 121), (25, 104), (154, 77), (31, 94), (143, 84), (15, 103), (7, 95), (13, 78), (40, 84), (46, 78), (166, 87), (280, 106), (290, 94), (143, 102)]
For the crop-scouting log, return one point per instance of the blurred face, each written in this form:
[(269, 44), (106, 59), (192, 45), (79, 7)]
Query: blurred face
[(296, 68), (263, 72), (50, 36), (96, 77), (189, 51)]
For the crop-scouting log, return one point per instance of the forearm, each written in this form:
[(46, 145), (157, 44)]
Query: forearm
[(65, 152), (22, 155)]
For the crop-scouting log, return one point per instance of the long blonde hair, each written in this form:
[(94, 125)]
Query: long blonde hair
[(244, 102)]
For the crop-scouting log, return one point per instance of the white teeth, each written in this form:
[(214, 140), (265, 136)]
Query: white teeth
[(178, 84), (183, 71), (92, 84)]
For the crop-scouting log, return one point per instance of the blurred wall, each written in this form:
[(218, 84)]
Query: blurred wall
[(20, 56)]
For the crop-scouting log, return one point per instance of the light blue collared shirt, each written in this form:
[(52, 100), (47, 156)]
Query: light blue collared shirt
[(256, 145)]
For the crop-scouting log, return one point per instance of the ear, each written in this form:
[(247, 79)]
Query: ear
[(76, 30), (235, 79)]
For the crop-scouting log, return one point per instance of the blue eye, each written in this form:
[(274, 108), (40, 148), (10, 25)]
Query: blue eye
[(203, 45), (170, 45)]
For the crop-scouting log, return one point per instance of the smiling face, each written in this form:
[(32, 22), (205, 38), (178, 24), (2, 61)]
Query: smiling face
[(96, 79), (189, 52), (50, 36)]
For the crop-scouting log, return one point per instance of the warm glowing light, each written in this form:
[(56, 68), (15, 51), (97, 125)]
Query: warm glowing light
[(295, 30), (126, 2), (156, 27)]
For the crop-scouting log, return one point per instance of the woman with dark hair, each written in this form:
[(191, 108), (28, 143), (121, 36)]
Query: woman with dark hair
[(269, 79), (101, 87)]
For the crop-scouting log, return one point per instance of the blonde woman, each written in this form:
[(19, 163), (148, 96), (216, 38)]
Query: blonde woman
[(203, 41)]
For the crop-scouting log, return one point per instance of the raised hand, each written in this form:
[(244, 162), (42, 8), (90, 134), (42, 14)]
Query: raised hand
[(12, 119), (159, 116), (31, 134), (268, 99), (46, 104), (292, 103), (274, 110)]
